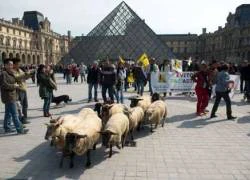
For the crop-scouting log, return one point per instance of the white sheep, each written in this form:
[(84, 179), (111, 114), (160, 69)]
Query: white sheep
[(136, 117), (110, 109), (83, 138), (156, 112), (115, 131)]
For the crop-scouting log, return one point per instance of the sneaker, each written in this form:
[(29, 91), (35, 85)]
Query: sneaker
[(96, 100), (231, 118), (24, 131), (213, 116)]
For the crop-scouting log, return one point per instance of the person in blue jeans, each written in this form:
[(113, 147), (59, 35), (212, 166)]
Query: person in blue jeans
[(9, 97), (46, 86), (92, 80), (121, 76), (140, 78)]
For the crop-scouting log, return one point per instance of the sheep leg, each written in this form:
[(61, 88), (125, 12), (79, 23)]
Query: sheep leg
[(156, 125), (151, 128), (88, 158), (131, 134), (124, 136), (138, 127), (61, 161), (163, 122), (110, 151), (72, 160), (94, 147), (51, 142)]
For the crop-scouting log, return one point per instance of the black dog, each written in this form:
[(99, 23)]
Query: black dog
[(63, 98)]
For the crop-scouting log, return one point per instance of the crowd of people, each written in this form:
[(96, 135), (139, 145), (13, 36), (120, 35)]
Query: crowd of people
[(113, 79)]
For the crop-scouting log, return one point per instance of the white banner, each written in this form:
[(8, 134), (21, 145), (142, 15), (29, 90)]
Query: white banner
[(172, 81), (182, 82)]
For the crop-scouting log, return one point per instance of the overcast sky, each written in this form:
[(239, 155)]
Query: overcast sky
[(163, 16)]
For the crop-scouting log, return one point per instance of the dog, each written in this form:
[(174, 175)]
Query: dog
[(59, 99)]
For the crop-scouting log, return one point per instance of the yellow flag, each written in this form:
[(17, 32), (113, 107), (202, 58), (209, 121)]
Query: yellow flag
[(121, 60), (144, 59)]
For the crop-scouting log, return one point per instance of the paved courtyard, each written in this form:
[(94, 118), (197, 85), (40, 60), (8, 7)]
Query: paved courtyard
[(188, 147)]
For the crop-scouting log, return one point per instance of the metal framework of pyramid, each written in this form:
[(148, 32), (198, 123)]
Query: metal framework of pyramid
[(121, 33)]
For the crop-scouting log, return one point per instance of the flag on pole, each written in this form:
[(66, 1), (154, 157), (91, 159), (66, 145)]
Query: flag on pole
[(144, 59), (189, 61), (121, 60), (177, 65)]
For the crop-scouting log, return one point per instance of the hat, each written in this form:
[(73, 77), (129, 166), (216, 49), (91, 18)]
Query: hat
[(16, 60)]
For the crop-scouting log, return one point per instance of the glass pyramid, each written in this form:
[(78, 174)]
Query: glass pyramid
[(121, 33)]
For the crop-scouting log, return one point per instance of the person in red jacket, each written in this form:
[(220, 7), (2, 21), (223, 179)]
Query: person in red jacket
[(202, 89)]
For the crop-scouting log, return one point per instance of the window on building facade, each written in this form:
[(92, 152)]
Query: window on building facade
[(8, 41), (14, 31), (1, 39), (20, 43), (14, 43), (7, 30)]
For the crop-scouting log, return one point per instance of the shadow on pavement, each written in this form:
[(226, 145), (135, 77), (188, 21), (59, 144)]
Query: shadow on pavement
[(200, 123), (243, 120), (42, 162), (182, 117)]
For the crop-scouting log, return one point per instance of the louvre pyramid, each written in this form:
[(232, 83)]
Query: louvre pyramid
[(121, 33)]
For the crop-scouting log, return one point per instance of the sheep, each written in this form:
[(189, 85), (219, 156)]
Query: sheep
[(57, 129), (82, 138), (142, 101), (85, 111), (156, 112), (136, 117), (105, 111), (115, 131)]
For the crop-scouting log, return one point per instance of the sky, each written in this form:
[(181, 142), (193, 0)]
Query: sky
[(163, 16)]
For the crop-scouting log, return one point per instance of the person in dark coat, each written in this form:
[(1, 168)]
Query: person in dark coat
[(9, 87), (108, 80), (46, 86), (93, 80)]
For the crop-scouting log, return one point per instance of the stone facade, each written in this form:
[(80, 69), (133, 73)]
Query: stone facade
[(182, 45), (32, 46), (231, 43)]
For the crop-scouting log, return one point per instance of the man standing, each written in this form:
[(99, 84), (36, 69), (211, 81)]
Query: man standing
[(108, 80), (22, 91), (9, 96), (222, 91), (92, 80), (153, 67)]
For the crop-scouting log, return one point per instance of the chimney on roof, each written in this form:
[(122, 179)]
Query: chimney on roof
[(204, 30), (219, 28)]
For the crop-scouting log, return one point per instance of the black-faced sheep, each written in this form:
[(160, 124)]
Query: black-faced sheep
[(82, 138), (115, 131)]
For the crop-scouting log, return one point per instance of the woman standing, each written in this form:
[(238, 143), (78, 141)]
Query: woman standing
[(46, 86), (201, 89)]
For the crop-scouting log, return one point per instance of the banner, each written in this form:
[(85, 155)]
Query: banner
[(182, 82), (172, 81)]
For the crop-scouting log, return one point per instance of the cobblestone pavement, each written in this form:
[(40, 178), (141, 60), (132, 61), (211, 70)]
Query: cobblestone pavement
[(188, 147)]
